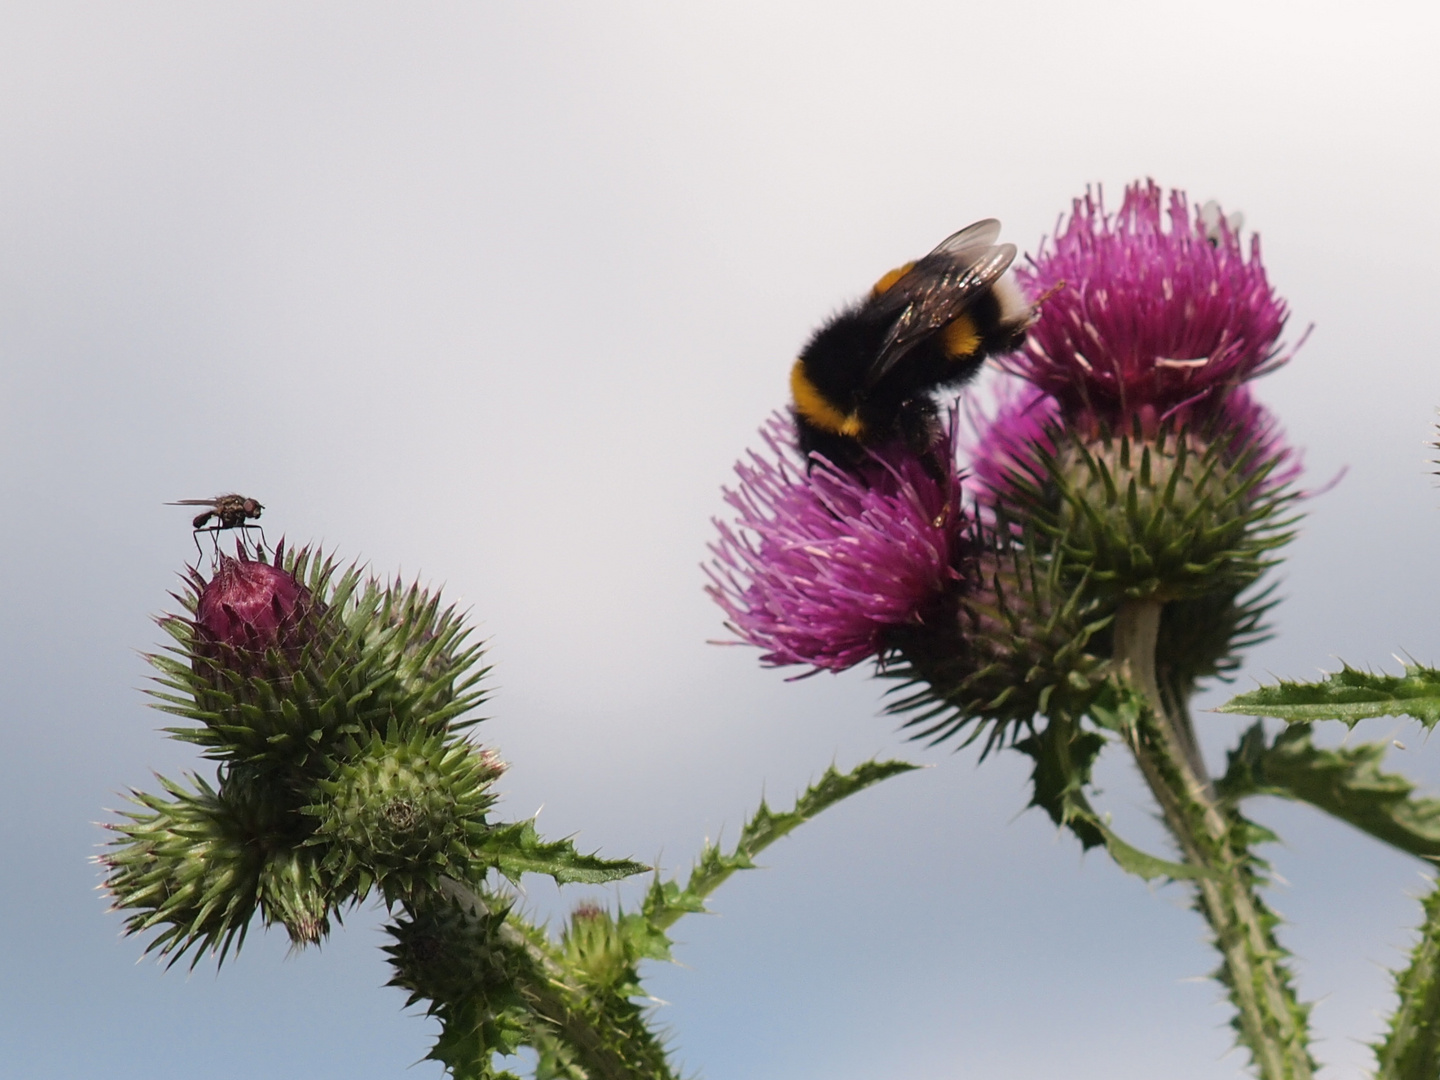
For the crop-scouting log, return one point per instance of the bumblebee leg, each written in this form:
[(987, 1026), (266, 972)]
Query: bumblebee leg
[(920, 427)]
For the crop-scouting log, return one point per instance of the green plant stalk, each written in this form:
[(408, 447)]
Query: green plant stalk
[(601, 1051), (1411, 1050), (1270, 1020)]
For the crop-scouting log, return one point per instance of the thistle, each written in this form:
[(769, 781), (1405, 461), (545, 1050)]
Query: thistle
[(823, 565), (1143, 322), (1128, 495)]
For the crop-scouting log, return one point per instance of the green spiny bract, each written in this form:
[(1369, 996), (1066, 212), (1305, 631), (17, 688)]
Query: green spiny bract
[(1178, 516), (600, 953), (296, 892), (359, 658), (400, 811), (450, 949), (1017, 641), (190, 864)]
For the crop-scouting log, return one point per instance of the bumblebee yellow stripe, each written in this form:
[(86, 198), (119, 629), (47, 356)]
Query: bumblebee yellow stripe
[(885, 283), (811, 404), (961, 337)]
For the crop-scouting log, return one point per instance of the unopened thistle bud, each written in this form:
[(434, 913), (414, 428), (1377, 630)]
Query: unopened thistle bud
[(403, 810), (598, 952), (248, 606), (1018, 641), (296, 892), (450, 951)]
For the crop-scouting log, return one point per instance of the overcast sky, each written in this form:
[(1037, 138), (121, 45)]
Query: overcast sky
[(496, 295)]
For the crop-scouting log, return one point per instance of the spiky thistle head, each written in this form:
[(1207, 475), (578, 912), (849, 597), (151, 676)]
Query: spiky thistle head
[(401, 810), (450, 949), (189, 864), (1021, 640), (277, 665), (821, 563)]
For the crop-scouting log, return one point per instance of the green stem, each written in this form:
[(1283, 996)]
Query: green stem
[(599, 1050), (1411, 1050), (1270, 1020)]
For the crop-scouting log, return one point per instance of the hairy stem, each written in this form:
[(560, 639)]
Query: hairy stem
[(1411, 1050), (1270, 1020), (599, 1047)]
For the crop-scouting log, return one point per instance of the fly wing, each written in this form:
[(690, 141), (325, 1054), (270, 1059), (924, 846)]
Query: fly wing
[(934, 293), (193, 502)]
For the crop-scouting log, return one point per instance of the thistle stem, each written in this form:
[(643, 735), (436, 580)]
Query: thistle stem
[(1270, 1020), (601, 1051)]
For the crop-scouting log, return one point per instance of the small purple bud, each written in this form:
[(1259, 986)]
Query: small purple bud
[(250, 606)]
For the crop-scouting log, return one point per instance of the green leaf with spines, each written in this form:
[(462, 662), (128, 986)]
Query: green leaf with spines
[(516, 849), (1348, 695), (1064, 755), (1345, 782), (668, 901)]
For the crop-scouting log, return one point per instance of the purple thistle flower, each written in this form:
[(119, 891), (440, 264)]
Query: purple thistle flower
[(1149, 322), (998, 446), (819, 565)]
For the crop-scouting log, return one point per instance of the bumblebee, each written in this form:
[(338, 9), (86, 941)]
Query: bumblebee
[(869, 375)]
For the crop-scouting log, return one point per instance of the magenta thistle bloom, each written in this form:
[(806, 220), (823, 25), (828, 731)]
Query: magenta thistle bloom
[(248, 605), (1150, 321), (818, 566)]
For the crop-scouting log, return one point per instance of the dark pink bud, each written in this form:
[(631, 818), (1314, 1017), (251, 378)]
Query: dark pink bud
[(250, 605)]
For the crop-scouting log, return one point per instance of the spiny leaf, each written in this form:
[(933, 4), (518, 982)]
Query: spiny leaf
[(517, 849), (666, 901), (1348, 695), (1346, 783), (1064, 756)]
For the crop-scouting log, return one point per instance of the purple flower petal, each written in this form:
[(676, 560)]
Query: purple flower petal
[(1149, 321), (818, 565)]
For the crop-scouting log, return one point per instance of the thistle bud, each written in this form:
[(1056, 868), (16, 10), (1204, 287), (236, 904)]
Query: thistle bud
[(449, 951), (402, 811), (190, 865), (598, 952), (295, 893), (250, 606), (1018, 640)]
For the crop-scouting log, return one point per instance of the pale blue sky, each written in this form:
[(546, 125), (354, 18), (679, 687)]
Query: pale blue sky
[(496, 294)]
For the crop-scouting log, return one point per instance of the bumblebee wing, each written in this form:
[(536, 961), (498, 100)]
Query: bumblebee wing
[(934, 293), (974, 238)]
